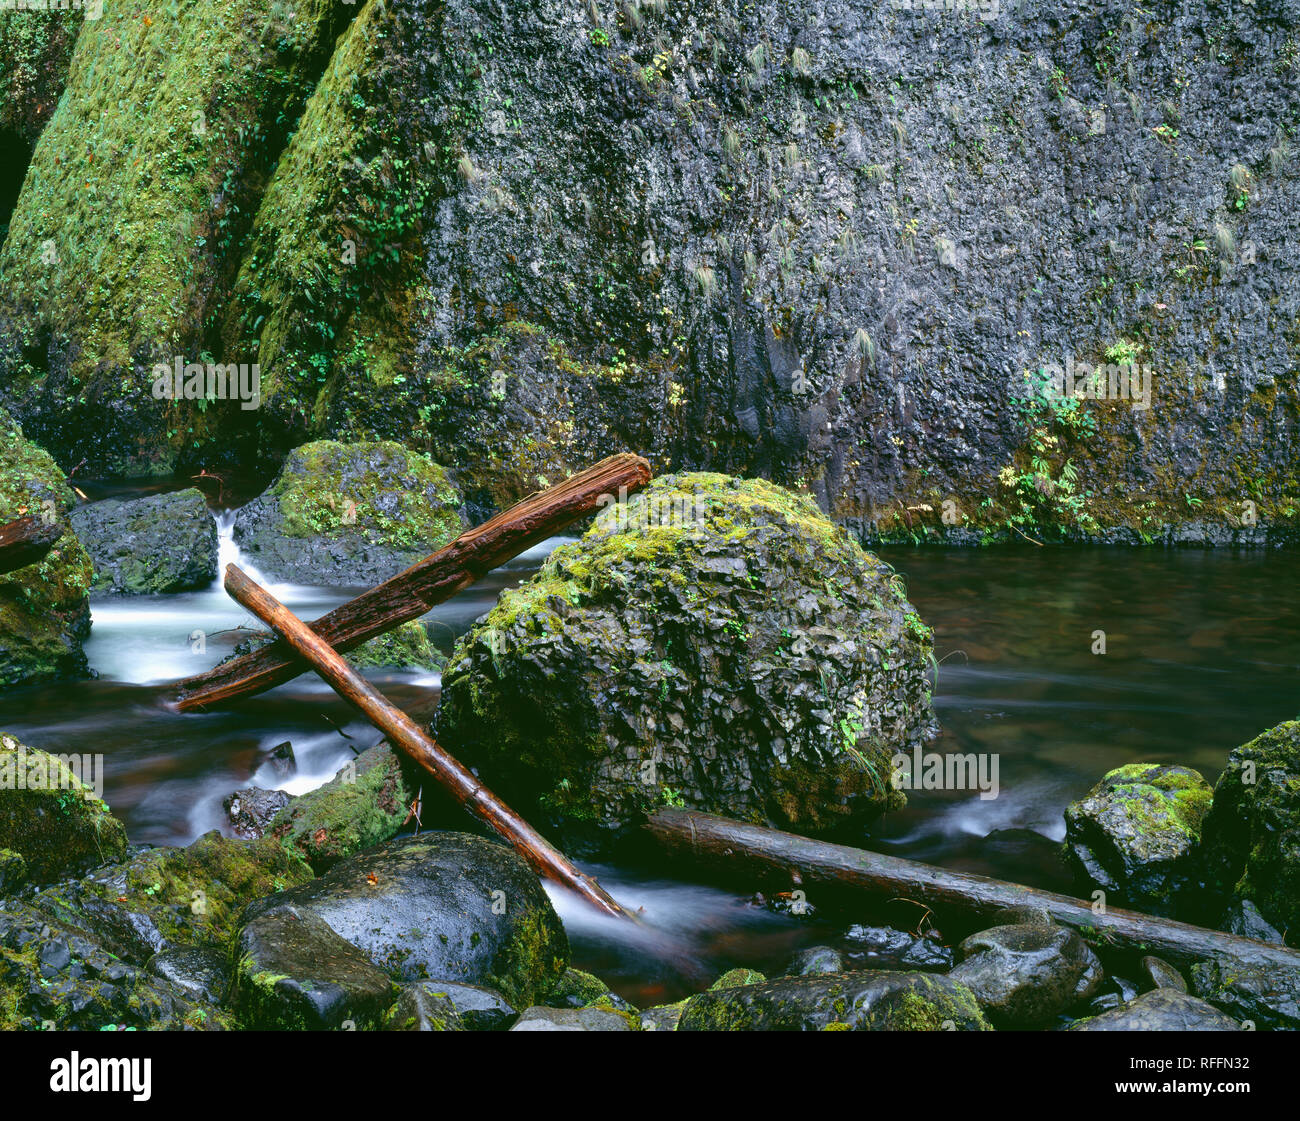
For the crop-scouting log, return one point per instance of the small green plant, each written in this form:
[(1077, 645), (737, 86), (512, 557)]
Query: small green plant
[(599, 37)]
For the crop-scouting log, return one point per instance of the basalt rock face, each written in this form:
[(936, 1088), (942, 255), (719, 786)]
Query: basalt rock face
[(821, 242), (715, 643)]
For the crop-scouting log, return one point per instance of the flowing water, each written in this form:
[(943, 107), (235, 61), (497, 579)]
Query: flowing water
[(1201, 653)]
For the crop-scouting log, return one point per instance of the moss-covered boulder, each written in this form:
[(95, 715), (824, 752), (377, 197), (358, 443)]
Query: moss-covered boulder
[(349, 514), (1135, 835), (1251, 841), (50, 816), (865, 1001), (118, 947), (44, 607), (714, 642), (149, 546), (365, 803), (140, 191), (404, 647), (13, 871), (442, 906), (1160, 1010), (1266, 994)]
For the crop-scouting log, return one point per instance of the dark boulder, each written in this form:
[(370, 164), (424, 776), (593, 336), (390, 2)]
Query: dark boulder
[(1160, 1010), (1268, 996), (294, 973), (442, 906), (1251, 847), (1135, 835), (251, 810), (149, 546), (1024, 976)]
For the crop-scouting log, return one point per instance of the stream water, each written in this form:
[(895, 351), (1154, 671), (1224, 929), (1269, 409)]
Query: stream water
[(1202, 651)]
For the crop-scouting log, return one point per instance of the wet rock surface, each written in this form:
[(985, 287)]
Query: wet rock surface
[(864, 1001), (149, 546), (1024, 976), (441, 906), (1252, 834), (252, 809), (571, 1019), (1266, 996), (1160, 1010)]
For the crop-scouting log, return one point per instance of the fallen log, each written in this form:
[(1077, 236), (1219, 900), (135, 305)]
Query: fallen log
[(402, 731), (964, 896), (26, 541), (410, 594)]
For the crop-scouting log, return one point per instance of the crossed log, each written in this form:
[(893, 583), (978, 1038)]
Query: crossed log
[(406, 596)]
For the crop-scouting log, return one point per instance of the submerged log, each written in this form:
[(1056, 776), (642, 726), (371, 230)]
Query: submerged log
[(402, 731), (26, 541), (410, 594), (962, 896)]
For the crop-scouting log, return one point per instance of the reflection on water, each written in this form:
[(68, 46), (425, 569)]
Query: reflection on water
[(1202, 652)]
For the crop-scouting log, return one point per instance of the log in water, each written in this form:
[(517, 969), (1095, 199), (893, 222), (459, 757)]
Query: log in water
[(410, 594), (737, 845)]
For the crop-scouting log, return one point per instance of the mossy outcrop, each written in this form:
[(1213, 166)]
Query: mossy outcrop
[(366, 803), (156, 545), (35, 53), (1135, 835), (713, 642), (51, 817), (349, 514), (1251, 845), (865, 1001), (133, 209), (44, 607)]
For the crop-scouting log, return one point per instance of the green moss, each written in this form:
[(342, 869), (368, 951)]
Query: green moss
[(531, 962), (736, 977), (335, 490), (50, 817), (141, 188), (44, 607), (366, 803), (195, 894)]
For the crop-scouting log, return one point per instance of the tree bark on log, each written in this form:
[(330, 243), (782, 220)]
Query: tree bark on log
[(401, 730), (26, 541), (757, 851), (410, 594)]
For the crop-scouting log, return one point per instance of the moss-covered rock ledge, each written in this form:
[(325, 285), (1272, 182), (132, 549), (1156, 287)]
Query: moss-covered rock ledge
[(717, 643)]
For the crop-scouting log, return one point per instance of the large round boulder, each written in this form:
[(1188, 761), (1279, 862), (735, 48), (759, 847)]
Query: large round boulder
[(44, 607), (713, 642), (1135, 835), (349, 514), (1251, 846), (440, 906), (149, 546)]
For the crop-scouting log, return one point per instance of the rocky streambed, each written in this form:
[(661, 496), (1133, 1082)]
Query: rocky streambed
[(715, 643)]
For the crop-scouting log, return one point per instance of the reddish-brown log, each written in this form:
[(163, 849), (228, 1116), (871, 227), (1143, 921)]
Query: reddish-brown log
[(410, 594), (405, 734), (26, 541)]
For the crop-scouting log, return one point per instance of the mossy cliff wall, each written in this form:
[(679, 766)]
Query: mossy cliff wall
[(820, 241)]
